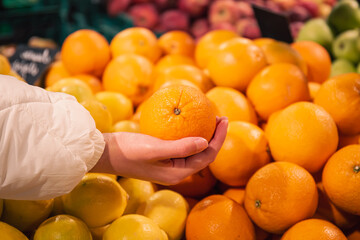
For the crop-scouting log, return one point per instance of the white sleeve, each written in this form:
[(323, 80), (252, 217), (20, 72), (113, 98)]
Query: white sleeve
[(48, 141)]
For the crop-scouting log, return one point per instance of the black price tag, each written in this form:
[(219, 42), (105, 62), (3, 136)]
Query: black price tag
[(30, 63), (273, 25)]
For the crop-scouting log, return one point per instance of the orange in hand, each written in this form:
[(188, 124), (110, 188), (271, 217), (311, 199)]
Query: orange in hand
[(177, 112)]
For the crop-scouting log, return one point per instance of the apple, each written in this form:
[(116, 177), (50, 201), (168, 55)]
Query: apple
[(341, 66), (245, 10), (224, 26), (345, 46), (144, 15), (324, 10), (285, 4), (295, 28), (175, 20), (194, 7), (223, 11), (115, 7), (200, 27), (299, 14), (248, 27), (163, 4), (345, 16), (273, 6), (310, 6)]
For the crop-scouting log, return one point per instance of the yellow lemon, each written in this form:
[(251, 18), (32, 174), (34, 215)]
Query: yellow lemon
[(97, 200), (5, 66), (8, 232), (120, 106), (26, 215), (63, 227), (169, 210), (134, 227), (126, 126), (139, 191), (100, 114), (73, 86), (97, 233)]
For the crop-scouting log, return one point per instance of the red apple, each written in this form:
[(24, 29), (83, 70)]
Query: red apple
[(193, 7), (175, 20), (144, 15), (248, 28), (244, 9), (310, 6), (200, 27), (224, 26), (298, 14), (223, 11), (140, 1), (115, 7), (295, 28), (273, 6), (164, 4)]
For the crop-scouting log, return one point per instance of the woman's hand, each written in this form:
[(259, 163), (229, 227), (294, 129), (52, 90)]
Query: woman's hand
[(165, 162)]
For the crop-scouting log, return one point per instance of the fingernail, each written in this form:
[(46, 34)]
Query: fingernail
[(201, 143)]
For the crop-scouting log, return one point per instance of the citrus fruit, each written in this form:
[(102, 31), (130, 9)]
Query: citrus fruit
[(209, 43), (341, 176), (97, 233), (317, 59), (313, 89), (183, 72), (303, 133), (177, 82), (85, 51), (16, 75), (196, 185), (235, 63), (276, 87), (75, 87), (119, 106), (243, 152), (131, 75), (177, 42), (126, 126), (97, 200), (354, 235), (56, 72), (58, 207), (1, 206), (136, 40), (138, 190), (236, 194), (5, 66), (63, 227), (314, 229), (218, 217), (340, 97), (134, 227), (100, 114), (26, 215), (262, 41), (345, 140), (279, 195), (173, 60), (232, 104), (8, 232), (177, 112), (93, 82)]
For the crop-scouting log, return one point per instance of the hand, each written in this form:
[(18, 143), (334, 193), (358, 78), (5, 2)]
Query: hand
[(165, 162)]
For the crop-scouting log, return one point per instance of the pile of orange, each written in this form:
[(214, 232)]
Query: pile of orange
[(290, 164)]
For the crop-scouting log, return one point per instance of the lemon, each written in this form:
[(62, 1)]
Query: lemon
[(134, 227), (26, 215), (169, 210), (62, 227), (98, 232), (8, 232), (97, 200), (113, 176), (120, 107), (126, 126), (100, 114), (138, 190), (5, 66), (73, 86)]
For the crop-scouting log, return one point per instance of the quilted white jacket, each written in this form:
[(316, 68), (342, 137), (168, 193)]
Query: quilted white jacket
[(48, 141)]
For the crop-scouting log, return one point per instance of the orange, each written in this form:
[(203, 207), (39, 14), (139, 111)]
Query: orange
[(302, 133), (85, 51), (177, 112), (277, 52), (313, 89), (340, 97), (276, 87), (243, 152), (131, 75), (137, 113), (262, 41), (232, 104), (177, 82), (235, 63), (236, 194), (196, 185), (345, 140), (354, 235), (136, 40), (5, 66), (218, 217), (177, 42), (317, 60), (173, 60), (209, 43), (56, 72), (183, 72), (328, 211), (314, 229), (341, 179), (279, 195), (93, 82)]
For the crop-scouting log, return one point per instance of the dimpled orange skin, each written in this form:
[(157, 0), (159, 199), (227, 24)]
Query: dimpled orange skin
[(177, 112), (279, 195), (341, 179), (314, 229)]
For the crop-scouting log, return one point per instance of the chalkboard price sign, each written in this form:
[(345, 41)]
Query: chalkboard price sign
[(30, 63)]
